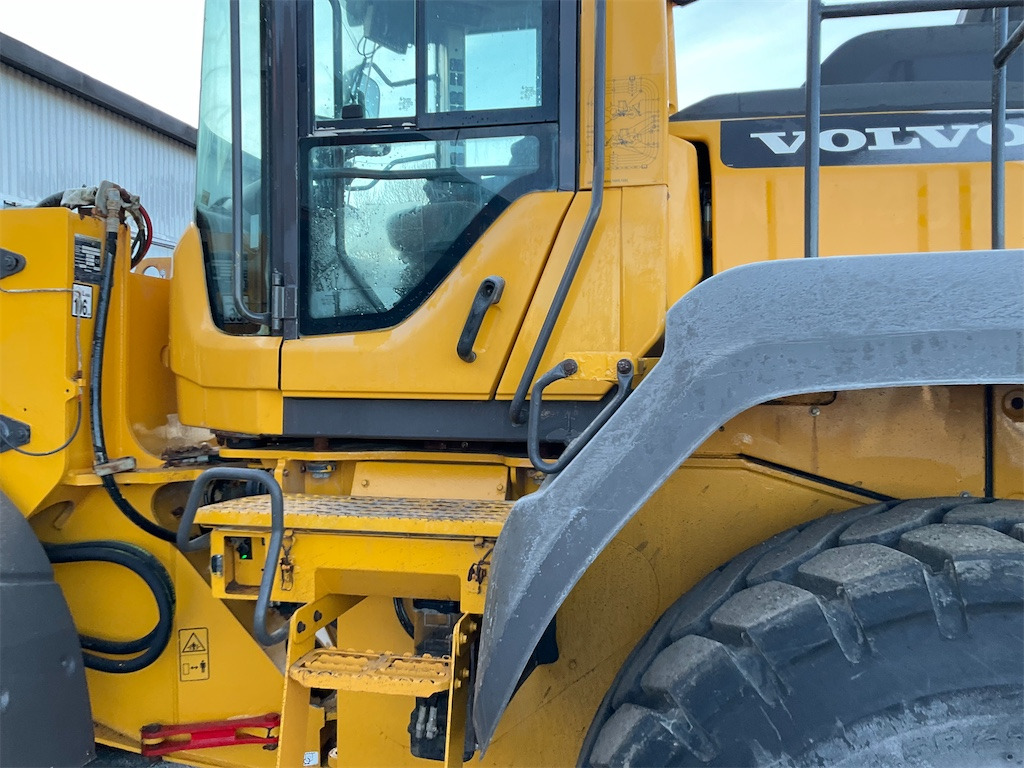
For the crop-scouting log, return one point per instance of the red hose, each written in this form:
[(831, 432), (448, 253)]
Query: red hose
[(149, 231)]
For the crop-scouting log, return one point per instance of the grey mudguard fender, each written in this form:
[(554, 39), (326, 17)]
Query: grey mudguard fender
[(746, 336), (45, 716)]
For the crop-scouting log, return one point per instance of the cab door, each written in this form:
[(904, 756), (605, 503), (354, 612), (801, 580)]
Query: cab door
[(433, 162)]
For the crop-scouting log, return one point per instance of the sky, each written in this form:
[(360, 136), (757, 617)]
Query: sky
[(154, 45)]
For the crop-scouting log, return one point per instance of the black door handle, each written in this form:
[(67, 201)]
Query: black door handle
[(487, 295)]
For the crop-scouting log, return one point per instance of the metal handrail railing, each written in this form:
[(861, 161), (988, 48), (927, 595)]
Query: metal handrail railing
[(818, 11)]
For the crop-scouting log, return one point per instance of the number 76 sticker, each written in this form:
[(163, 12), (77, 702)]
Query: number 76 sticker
[(81, 300)]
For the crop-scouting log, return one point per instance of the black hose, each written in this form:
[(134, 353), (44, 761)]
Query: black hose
[(99, 442), (403, 618), (99, 336), (133, 514), (52, 201), (151, 571)]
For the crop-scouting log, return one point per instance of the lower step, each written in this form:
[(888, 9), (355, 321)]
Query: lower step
[(371, 672)]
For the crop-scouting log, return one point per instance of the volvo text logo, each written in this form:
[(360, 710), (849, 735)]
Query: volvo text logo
[(891, 137), (870, 139)]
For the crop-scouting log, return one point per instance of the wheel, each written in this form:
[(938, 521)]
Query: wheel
[(881, 636)]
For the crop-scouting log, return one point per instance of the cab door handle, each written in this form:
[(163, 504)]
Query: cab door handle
[(487, 295)]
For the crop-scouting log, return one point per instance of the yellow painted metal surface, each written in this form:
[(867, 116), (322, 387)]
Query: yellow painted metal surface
[(392, 362), (644, 254), (598, 366), (224, 381), (902, 442), (426, 481), (465, 635), (758, 212), (619, 295), (40, 383), (1008, 441)]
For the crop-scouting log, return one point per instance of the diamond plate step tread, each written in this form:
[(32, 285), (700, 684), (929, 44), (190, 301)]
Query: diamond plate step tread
[(372, 672), (444, 517)]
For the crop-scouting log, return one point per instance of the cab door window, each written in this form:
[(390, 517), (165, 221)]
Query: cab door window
[(429, 119)]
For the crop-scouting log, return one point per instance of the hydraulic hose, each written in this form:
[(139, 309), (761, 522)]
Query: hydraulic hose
[(403, 617), (151, 571), (99, 443), (51, 201)]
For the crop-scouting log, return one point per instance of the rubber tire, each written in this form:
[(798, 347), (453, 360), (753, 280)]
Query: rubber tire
[(884, 635)]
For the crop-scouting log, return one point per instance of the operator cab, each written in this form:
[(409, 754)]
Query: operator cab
[(419, 123)]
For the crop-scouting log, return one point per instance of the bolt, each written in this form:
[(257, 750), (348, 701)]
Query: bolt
[(464, 673), (965, 494), (317, 615), (501, 487), (463, 637), (569, 367), (624, 366), (365, 483), (815, 411), (285, 473), (458, 683), (300, 627)]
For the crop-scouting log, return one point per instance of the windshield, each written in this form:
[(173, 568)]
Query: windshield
[(389, 211), (214, 171)]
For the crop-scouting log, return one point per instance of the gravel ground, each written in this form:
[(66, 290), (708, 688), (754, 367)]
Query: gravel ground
[(107, 757)]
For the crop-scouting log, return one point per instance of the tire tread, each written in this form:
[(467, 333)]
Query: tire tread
[(828, 584)]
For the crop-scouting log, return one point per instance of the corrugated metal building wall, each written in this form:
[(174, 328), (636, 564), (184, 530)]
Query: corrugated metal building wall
[(60, 129)]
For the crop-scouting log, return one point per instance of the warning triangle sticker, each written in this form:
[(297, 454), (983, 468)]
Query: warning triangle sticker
[(193, 645)]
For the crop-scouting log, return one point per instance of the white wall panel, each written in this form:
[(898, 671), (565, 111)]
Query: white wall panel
[(51, 140)]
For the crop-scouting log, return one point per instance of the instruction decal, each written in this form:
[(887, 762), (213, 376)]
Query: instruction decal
[(88, 264), (193, 654), (81, 300)]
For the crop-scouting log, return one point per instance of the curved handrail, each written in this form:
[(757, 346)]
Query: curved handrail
[(195, 499)]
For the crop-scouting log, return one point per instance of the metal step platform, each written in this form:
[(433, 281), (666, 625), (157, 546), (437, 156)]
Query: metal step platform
[(364, 514), (369, 672), (296, 547)]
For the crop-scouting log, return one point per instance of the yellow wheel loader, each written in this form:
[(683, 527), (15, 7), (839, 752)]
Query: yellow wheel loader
[(543, 383)]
